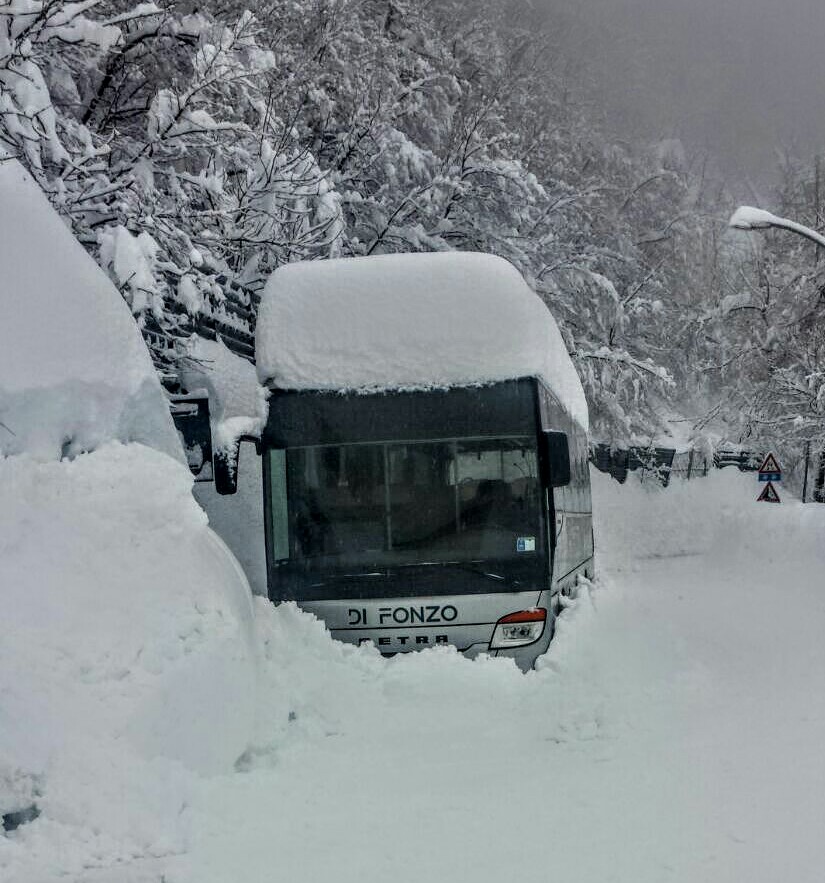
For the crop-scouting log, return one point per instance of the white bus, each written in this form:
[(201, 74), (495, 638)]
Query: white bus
[(425, 471)]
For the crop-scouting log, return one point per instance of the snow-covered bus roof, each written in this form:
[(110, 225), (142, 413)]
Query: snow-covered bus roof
[(409, 321)]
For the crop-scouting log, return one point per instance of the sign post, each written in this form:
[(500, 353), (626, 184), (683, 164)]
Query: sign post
[(770, 471)]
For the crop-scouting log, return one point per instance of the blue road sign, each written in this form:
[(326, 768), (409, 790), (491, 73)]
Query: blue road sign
[(770, 476)]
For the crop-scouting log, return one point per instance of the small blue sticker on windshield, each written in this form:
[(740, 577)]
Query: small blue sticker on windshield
[(526, 544)]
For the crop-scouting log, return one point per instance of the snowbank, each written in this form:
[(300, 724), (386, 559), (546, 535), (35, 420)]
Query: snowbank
[(127, 657), (409, 321), (74, 371), (648, 735), (127, 630), (644, 735), (715, 516)]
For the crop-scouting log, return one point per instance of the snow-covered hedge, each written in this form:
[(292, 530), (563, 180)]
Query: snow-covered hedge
[(74, 370)]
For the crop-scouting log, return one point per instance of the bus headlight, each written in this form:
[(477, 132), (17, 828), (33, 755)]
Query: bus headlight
[(519, 629)]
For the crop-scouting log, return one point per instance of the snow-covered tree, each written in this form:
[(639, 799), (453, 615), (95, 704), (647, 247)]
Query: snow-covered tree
[(194, 150), (769, 326), (154, 134)]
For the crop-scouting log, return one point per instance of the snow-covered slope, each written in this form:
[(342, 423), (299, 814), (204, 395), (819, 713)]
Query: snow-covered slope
[(409, 321), (74, 371)]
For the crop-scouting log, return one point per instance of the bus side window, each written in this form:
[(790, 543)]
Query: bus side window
[(575, 453), (588, 490), (279, 517)]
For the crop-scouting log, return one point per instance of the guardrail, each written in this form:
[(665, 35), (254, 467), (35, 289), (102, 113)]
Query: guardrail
[(745, 461), (656, 461), (804, 473), (229, 317)]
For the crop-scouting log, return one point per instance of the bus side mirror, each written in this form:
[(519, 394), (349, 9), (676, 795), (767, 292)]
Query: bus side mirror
[(225, 469), (557, 458), (225, 465), (190, 414)]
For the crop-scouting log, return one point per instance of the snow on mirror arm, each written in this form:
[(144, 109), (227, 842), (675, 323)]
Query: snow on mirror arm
[(225, 463)]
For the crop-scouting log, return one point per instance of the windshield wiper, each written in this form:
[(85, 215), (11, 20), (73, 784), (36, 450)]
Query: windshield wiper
[(468, 567), (329, 578), (389, 572)]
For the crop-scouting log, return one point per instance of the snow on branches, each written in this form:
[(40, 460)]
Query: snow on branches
[(155, 136), (193, 152)]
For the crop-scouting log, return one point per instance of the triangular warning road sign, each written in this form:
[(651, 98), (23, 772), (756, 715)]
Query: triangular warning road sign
[(770, 464), (769, 495)]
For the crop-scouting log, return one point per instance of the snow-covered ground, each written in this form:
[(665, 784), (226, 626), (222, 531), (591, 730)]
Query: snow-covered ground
[(673, 733)]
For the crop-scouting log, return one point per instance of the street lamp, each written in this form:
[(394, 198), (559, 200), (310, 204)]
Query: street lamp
[(746, 217)]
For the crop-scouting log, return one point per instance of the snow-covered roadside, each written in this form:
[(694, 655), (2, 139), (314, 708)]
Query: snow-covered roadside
[(673, 732), (736, 599)]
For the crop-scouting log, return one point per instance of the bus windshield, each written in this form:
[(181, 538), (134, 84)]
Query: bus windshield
[(359, 508)]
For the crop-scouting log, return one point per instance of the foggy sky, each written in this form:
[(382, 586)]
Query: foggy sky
[(736, 77)]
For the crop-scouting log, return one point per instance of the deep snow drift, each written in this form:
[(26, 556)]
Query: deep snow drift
[(127, 659), (409, 321), (126, 653), (74, 371), (673, 732)]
